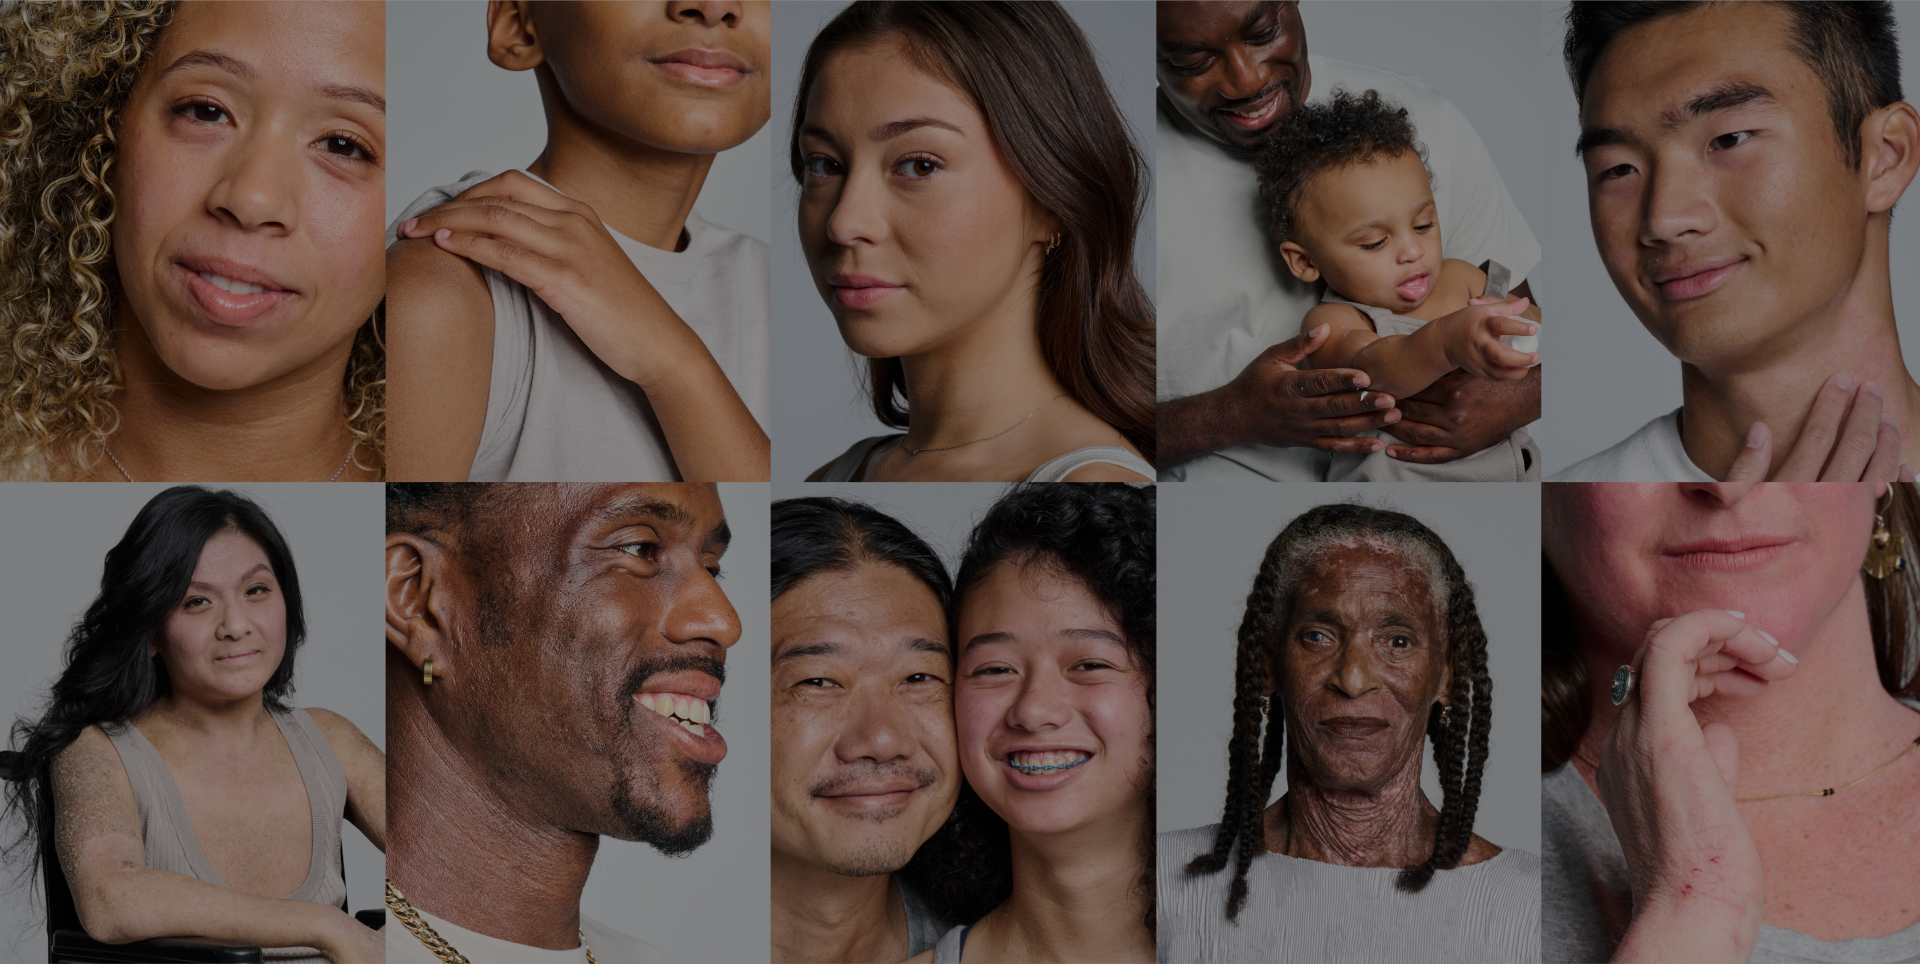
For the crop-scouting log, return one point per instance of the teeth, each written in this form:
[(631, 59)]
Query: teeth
[(232, 286), (688, 711), (1048, 761)]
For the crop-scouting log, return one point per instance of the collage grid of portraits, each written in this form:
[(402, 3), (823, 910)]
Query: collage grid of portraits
[(595, 318)]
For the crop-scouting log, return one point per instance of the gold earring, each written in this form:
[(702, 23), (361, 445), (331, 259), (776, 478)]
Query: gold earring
[(1053, 242), (1446, 713), (1266, 705), (426, 670), (1884, 553)]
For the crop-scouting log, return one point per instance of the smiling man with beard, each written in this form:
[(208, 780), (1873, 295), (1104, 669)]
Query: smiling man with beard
[(554, 656)]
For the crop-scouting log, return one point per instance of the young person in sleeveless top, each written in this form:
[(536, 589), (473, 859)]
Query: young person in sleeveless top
[(578, 321), (189, 797), (976, 247)]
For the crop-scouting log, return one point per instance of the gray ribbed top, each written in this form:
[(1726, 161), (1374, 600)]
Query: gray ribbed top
[(168, 835), (1305, 910)]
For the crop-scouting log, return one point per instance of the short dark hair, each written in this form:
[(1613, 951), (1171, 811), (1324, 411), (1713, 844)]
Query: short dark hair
[(1321, 137), (1852, 45), (826, 534)]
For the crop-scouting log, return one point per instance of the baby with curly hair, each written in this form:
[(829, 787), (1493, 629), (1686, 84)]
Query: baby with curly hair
[(1348, 199)]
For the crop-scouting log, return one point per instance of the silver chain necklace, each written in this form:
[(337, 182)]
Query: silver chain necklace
[(336, 472), (914, 451)]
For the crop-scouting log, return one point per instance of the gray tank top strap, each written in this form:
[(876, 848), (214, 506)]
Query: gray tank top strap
[(1057, 469), (843, 468), (951, 946), (168, 835), (1499, 279), (1385, 322)]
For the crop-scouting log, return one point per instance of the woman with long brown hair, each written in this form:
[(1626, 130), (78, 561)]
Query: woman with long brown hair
[(969, 200)]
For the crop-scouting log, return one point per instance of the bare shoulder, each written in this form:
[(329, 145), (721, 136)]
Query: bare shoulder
[(417, 266), (341, 734), (1479, 851), (1336, 316), (89, 751), (1104, 472), (91, 791), (924, 957), (1458, 274)]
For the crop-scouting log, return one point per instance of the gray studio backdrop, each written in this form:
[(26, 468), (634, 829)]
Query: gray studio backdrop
[(452, 111), (1212, 538), (819, 406), (704, 908), (1623, 377), (58, 536)]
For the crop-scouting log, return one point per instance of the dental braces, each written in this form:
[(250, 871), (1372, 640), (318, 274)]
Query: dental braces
[(1043, 768)]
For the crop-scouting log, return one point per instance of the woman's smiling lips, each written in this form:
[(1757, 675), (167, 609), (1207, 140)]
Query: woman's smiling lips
[(1696, 277), (237, 659), (1737, 552), (860, 291), (706, 68), (1045, 767), (231, 294)]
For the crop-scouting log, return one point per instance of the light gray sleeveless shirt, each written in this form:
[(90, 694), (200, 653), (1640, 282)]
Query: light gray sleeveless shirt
[(557, 413), (168, 835), (1055, 469)]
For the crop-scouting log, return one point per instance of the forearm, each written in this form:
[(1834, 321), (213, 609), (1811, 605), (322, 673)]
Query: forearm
[(1195, 426), (712, 435), (1400, 365), (1689, 933), (142, 903)]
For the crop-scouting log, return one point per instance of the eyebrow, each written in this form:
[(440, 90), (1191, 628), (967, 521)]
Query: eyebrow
[(1102, 635), (243, 577), (657, 508), (919, 644), (893, 129), (1247, 23), (361, 95), (1725, 96), (242, 69)]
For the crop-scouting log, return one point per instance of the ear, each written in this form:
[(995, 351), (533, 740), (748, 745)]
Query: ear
[(1299, 262), (1446, 674), (512, 44), (417, 593), (1890, 153), (1269, 673)]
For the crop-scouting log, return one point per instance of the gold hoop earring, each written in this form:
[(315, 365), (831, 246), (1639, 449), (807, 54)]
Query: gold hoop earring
[(426, 670), (1053, 242), (1885, 552), (1266, 705)]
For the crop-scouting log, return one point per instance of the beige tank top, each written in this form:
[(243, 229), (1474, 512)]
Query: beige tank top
[(172, 845)]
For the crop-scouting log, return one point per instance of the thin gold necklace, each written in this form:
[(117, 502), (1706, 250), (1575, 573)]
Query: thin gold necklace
[(336, 472), (397, 902), (914, 451), (1823, 792)]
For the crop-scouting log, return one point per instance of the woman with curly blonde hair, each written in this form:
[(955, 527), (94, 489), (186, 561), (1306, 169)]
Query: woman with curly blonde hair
[(191, 268)]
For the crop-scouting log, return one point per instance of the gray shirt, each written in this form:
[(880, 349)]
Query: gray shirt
[(924, 927), (1588, 901), (1305, 910)]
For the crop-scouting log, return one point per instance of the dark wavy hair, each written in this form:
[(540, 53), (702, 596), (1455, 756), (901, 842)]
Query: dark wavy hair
[(826, 534), (1459, 744), (1853, 46), (1028, 68), (1103, 535), (110, 676), (1343, 131)]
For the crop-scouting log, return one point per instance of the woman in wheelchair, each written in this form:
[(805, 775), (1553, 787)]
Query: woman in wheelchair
[(169, 776)]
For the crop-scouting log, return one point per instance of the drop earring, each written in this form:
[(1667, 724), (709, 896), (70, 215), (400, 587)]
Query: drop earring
[(1053, 242), (1266, 706), (1885, 551)]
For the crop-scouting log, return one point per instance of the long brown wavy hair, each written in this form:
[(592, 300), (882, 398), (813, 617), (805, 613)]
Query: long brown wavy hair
[(1893, 603), (66, 69), (1028, 68)]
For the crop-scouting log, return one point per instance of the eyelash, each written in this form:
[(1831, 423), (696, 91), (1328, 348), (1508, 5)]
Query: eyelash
[(187, 109), (816, 164), (190, 600), (918, 159), (1422, 228)]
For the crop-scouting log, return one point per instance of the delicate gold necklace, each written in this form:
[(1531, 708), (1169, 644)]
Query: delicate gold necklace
[(914, 451), (336, 472), (397, 902), (1824, 792)]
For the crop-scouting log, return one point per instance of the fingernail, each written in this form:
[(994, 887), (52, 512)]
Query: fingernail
[(408, 227), (1383, 401), (1378, 445), (1756, 435), (1788, 656), (1533, 329), (1888, 418), (1843, 381), (1736, 614), (1874, 389), (1317, 332), (1768, 637), (443, 234)]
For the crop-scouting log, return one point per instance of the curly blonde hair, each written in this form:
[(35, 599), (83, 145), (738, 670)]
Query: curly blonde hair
[(66, 69)]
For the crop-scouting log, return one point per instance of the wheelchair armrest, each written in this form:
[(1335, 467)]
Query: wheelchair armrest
[(374, 919), (77, 947)]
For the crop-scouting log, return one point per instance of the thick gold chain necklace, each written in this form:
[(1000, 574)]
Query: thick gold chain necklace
[(1823, 792), (397, 902)]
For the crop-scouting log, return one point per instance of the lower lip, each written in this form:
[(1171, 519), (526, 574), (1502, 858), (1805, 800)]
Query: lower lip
[(1041, 781), (238, 659), (716, 77), (228, 309), (1415, 289), (1744, 559), (862, 297), (1353, 731), (1257, 122), (709, 749), (868, 803), (1693, 286)]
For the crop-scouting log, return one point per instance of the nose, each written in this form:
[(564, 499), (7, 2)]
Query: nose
[(877, 727), (856, 217), (1679, 202), (258, 189), (1041, 705), (706, 13), (233, 623), (1355, 675), (1410, 250), (701, 614), (1717, 495), (1241, 75)]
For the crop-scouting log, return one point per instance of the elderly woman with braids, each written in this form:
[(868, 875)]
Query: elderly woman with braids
[(1730, 741), (191, 197), (1360, 641)]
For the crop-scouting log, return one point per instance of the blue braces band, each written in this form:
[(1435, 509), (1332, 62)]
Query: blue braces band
[(1046, 767)]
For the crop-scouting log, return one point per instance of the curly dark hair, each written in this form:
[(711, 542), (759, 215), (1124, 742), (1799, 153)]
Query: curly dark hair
[(1103, 535), (1460, 744), (1322, 137)]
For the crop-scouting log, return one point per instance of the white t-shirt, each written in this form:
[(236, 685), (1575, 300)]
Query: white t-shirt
[(609, 946), (1653, 454), (1224, 296)]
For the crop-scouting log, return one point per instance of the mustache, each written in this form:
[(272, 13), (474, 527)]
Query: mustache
[(676, 662), (924, 776), (1283, 84)]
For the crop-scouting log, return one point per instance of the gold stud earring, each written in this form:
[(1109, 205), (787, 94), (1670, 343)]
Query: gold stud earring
[(1446, 714), (1885, 552), (1266, 705), (426, 670), (1053, 242)]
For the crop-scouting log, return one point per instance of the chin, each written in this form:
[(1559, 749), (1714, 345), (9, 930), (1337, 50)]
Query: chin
[(702, 122)]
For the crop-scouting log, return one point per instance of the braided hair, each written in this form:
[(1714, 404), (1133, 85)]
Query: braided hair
[(1460, 744)]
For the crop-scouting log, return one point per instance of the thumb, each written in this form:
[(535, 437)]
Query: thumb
[(1295, 350), (1725, 749), (1513, 307)]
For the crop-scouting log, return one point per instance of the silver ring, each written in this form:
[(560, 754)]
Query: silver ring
[(1623, 680), (1363, 394)]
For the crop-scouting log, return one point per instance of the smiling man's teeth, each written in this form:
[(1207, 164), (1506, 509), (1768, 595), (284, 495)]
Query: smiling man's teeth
[(231, 286), (692, 713), (1047, 761)]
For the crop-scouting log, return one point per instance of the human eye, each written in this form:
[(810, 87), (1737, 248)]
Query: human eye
[(916, 168), (1374, 246), (347, 146), (1400, 641), (992, 669), (649, 551), (1730, 140), (1315, 636), (259, 589), (1615, 172), (1194, 69), (816, 682), (203, 111), (922, 678), (193, 602), (820, 165), (1424, 228)]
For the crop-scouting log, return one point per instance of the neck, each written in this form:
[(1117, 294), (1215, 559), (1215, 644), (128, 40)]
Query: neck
[(822, 916), (1390, 825), (638, 190), (1776, 383), (985, 379), (457, 851), (1076, 896), (1861, 725), (290, 428)]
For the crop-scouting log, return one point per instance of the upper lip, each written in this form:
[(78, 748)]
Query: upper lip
[(694, 684), (1253, 104), (1044, 748), (697, 57), (1693, 266), (846, 280), (243, 652), (1413, 277), (874, 787), (1353, 721), (1726, 544), (233, 271)]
